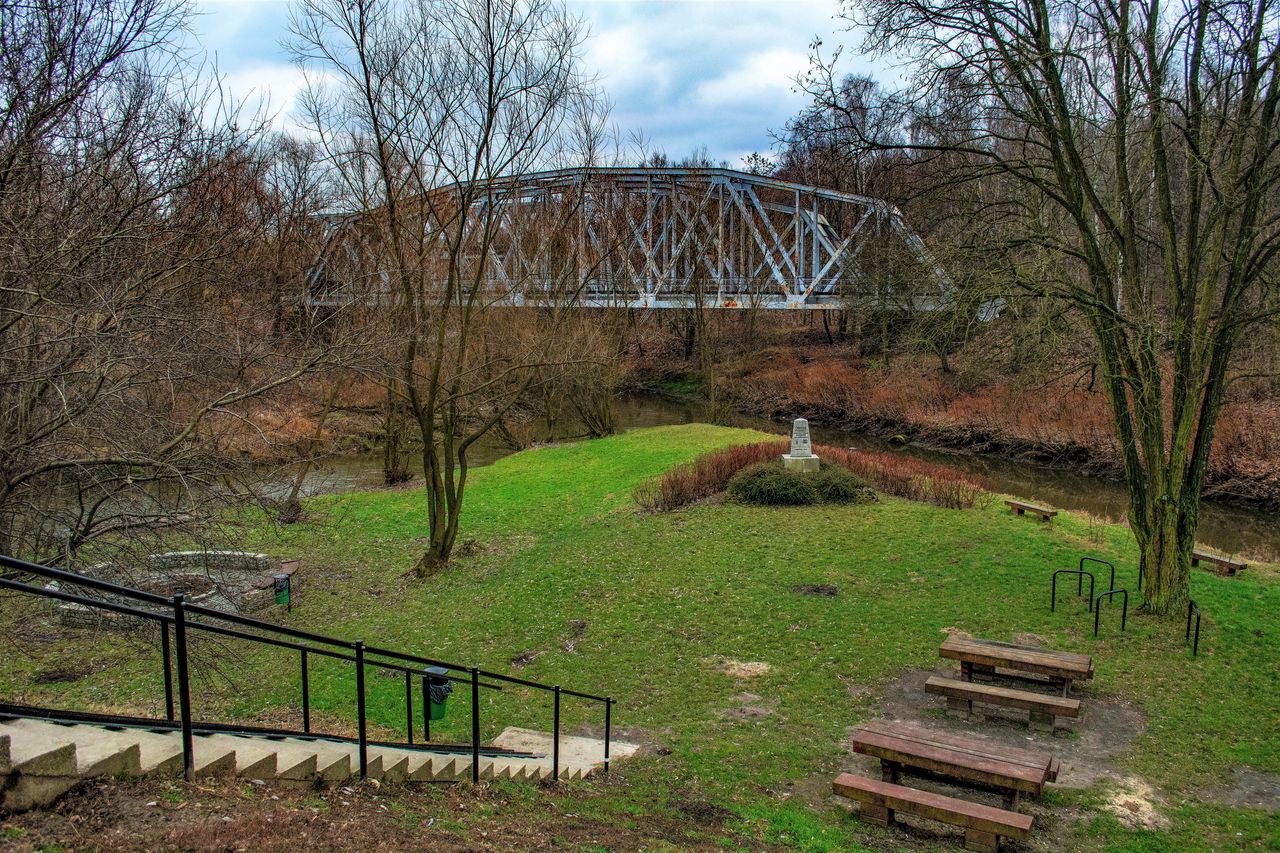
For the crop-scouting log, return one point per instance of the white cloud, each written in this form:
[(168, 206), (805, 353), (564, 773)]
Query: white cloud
[(268, 88), (768, 73), (622, 59), (693, 73), (688, 73)]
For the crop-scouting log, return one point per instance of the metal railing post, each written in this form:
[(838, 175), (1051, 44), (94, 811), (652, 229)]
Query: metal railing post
[(184, 685), (426, 712), (360, 710), (408, 704), (168, 670), (306, 695), (475, 725), (608, 720), (555, 739)]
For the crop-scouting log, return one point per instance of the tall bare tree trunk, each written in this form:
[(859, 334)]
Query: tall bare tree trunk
[(395, 461)]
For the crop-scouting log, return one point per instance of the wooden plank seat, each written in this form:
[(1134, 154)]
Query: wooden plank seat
[(1022, 507), (1222, 565), (1044, 709), (979, 656), (983, 825), (902, 747)]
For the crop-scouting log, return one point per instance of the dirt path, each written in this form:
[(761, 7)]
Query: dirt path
[(234, 815)]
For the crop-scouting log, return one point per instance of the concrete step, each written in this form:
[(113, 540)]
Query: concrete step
[(583, 754), (98, 752), (295, 763), (34, 752), (255, 758), (41, 770), (160, 752), (212, 759)]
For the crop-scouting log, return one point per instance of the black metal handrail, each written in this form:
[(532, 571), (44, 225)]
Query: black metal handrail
[(175, 616)]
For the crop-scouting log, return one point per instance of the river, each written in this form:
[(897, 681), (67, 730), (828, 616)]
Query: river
[(1231, 529)]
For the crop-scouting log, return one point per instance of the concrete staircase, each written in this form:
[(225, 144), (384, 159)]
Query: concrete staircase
[(40, 760)]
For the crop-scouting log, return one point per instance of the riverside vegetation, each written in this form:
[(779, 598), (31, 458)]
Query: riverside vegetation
[(569, 582)]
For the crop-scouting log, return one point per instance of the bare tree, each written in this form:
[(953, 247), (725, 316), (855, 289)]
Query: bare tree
[(431, 107), (131, 353), (1129, 154)]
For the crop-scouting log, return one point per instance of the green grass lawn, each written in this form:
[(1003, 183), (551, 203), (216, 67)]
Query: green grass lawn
[(664, 598)]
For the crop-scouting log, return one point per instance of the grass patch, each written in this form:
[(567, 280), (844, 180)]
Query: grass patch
[(663, 594)]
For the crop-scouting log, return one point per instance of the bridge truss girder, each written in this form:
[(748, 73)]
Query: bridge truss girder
[(666, 238)]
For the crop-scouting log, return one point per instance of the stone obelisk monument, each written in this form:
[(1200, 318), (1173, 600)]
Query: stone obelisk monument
[(801, 457)]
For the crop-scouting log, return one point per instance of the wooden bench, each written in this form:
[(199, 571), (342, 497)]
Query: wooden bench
[(905, 748), (983, 656), (1225, 565), (983, 825), (1044, 709), (1022, 507)]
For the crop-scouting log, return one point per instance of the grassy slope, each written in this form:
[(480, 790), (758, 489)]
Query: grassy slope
[(662, 594)]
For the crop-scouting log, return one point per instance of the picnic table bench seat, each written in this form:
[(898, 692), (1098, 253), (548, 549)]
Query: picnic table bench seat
[(983, 825), (903, 747), (1044, 709), (1022, 507)]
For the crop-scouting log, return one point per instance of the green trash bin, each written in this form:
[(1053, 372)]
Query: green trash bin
[(438, 689), (281, 586)]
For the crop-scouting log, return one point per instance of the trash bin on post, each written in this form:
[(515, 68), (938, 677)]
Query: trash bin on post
[(438, 689), (281, 586)]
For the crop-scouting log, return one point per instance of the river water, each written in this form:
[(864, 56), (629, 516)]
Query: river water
[(1231, 529)]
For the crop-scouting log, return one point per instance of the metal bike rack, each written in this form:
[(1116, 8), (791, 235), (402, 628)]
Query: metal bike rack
[(1097, 608), (1195, 647), (1053, 590)]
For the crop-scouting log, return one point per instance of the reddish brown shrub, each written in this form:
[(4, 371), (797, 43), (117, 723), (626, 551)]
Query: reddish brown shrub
[(891, 473), (907, 477), (703, 477)]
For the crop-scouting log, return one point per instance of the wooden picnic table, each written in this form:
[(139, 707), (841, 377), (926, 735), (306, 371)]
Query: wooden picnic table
[(983, 656), (1009, 770)]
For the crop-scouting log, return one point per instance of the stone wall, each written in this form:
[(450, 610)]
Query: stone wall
[(241, 581), (210, 561)]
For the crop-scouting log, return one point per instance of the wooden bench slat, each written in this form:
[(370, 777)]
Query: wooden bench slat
[(939, 807), (962, 743), (1006, 696), (1015, 651), (1040, 661)]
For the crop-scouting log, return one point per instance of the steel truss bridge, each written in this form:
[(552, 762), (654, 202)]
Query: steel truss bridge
[(657, 238)]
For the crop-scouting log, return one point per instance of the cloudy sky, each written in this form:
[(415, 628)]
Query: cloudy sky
[(688, 73)]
